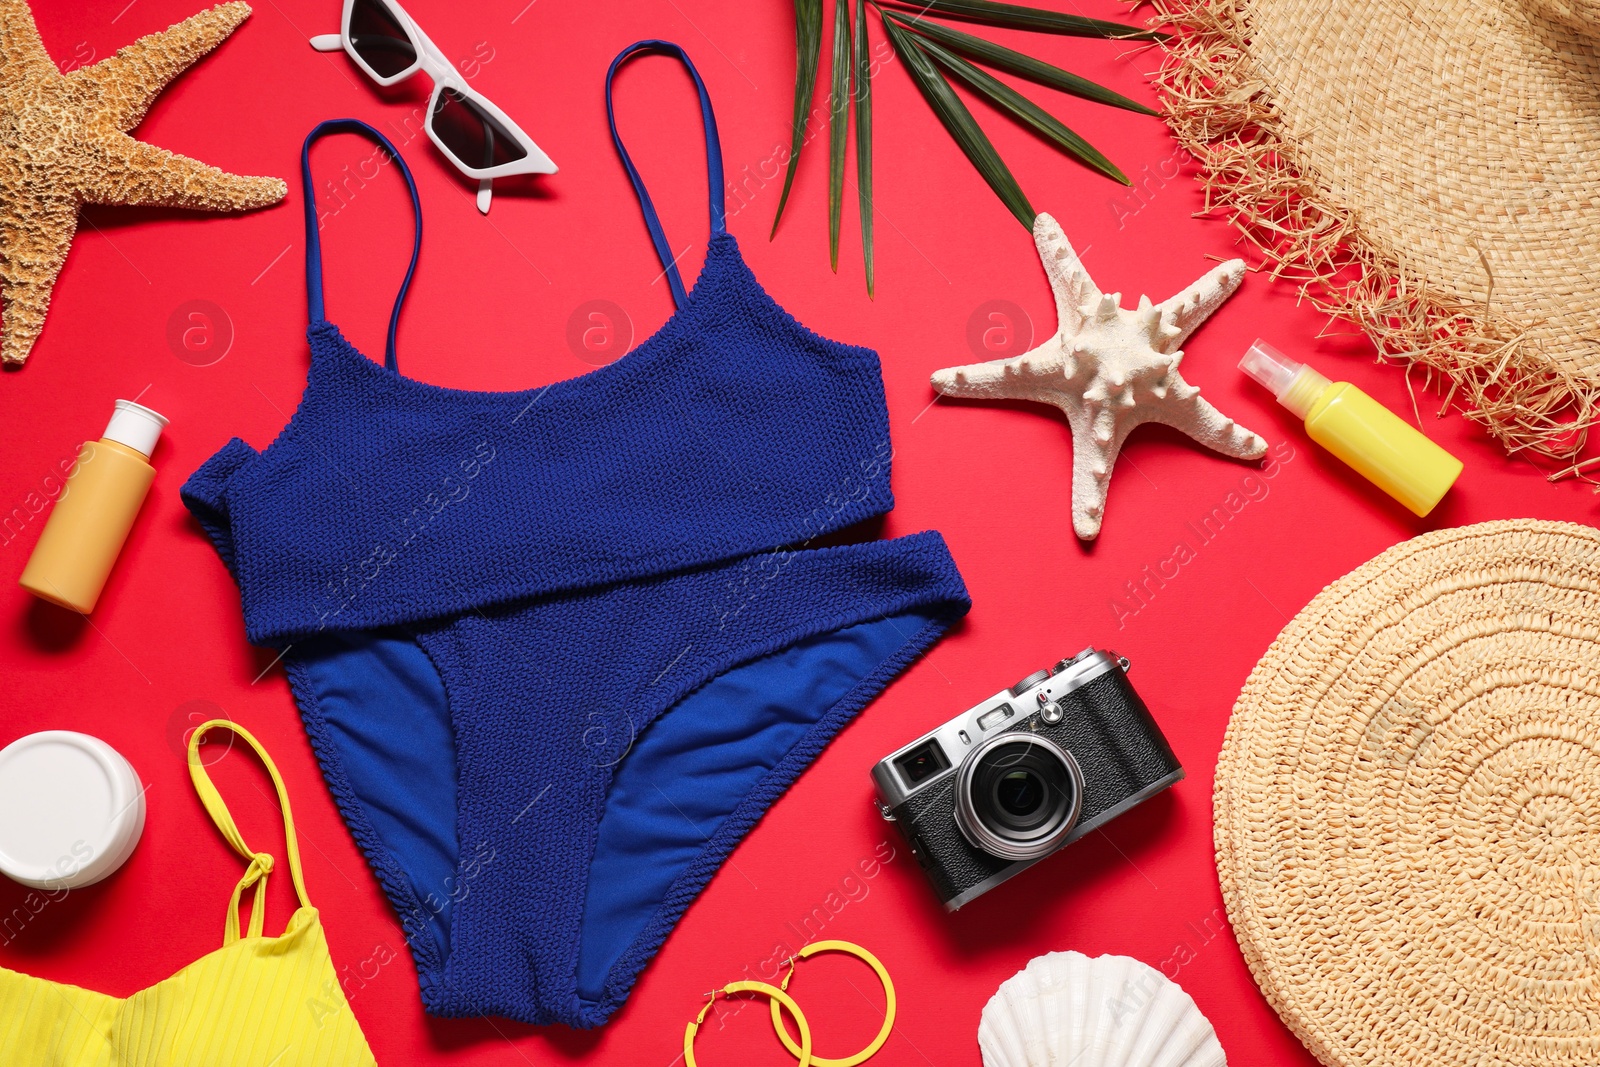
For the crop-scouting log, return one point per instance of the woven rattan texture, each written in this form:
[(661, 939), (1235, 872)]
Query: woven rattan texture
[(1429, 169), (1408, 805)]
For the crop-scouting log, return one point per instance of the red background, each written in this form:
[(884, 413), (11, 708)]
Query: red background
[(490, 309)]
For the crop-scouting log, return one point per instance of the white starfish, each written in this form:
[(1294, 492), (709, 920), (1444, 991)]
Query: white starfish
[(1110, 369)]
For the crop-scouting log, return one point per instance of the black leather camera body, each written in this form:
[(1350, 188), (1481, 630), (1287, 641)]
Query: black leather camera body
[(1025, 773)]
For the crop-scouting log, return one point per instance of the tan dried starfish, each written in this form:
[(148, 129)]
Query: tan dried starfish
[(64, 142)]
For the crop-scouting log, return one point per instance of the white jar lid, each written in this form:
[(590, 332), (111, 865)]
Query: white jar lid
[(71, 810)]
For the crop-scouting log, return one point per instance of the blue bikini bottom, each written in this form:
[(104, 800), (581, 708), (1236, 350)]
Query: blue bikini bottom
[(543, 788)]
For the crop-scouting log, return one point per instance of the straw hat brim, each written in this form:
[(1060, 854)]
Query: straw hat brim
[(1430, 169), (1408, 805)]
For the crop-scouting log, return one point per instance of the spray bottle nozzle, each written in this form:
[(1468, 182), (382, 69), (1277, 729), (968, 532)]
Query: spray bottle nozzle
[(1295, 385), (1270, 367)]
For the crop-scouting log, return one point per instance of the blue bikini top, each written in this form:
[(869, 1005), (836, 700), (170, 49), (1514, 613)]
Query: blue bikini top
[(730, 431)]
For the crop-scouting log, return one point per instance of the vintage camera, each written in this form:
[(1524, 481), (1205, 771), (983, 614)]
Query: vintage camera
[(1026, 772)]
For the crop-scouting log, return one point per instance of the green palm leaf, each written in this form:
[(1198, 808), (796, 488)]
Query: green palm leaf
[(863, 74), (959, 121), (808, 49), (1031, 18), (1024, 66), (838, 124), (1024, 109)]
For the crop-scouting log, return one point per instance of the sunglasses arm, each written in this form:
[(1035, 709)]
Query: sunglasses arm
[(327, 42)]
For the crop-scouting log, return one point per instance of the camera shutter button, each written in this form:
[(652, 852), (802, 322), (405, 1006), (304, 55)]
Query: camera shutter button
[(1052, 713), (1030, 681)]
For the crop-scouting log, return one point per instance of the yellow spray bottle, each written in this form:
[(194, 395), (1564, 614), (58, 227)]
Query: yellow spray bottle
[(1381, 446)]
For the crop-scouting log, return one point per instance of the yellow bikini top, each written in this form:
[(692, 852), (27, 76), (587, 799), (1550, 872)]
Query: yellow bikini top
[(255, 1001)]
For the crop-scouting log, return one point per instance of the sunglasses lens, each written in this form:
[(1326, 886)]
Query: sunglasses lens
[(376, 36), (471, 134)]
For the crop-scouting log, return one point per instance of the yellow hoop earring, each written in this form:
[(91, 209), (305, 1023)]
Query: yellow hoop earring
[(888, 1014), (777, 996)]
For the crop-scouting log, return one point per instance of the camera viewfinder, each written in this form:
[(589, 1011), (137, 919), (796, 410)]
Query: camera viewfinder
[(922, 763)]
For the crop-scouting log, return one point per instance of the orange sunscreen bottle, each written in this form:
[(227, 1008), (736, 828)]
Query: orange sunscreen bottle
[(95, 511), (1381, 446)]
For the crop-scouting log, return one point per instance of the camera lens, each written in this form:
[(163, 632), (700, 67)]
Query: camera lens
[(1018, 796)]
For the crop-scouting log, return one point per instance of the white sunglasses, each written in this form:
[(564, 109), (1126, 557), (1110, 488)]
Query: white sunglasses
[(479, 138)]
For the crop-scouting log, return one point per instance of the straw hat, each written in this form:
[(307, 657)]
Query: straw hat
[(1408, 805), (1427, 168)]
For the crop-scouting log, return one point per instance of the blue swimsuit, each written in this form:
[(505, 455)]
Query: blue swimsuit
[(554, 649)]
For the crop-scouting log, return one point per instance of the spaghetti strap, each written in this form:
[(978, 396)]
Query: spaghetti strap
[(261, 863), (713, 160), (314, 297)]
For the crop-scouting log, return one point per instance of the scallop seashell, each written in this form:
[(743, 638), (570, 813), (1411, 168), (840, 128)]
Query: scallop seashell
[(1065, 1008)]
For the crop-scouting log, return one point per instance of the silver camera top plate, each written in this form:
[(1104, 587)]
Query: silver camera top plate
[(1002, 711)]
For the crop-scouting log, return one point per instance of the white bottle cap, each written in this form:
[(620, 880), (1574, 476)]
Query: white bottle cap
[(136, 426), (71, 810)]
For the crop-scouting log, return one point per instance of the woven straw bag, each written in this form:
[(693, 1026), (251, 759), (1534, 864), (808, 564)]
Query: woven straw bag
[(1408, 806)]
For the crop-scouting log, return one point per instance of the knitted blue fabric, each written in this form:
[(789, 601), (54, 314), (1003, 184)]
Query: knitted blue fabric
[(554, 648)]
